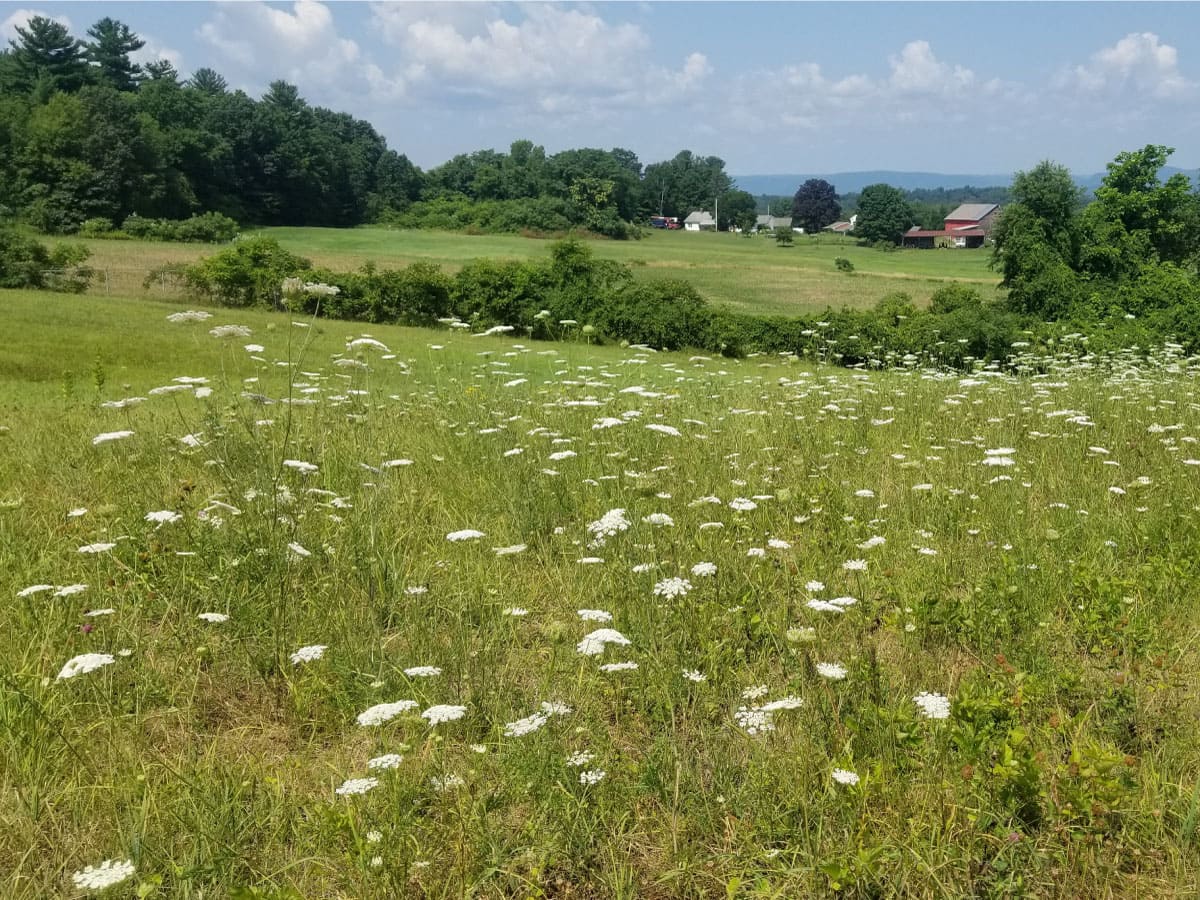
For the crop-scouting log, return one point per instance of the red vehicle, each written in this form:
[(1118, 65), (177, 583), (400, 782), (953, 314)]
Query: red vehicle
[(670, 222)]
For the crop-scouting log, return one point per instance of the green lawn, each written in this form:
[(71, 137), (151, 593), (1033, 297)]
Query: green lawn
[(749, 274)]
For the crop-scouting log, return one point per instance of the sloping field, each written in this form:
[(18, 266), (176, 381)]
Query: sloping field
[(423, 614)]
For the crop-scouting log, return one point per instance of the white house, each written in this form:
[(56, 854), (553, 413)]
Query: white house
[(700, 220)]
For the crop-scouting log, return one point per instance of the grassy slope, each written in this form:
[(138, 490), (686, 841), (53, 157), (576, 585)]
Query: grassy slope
[(749, 274), (211, 760)]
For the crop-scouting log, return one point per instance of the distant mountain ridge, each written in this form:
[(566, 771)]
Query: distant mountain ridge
[(852, 182)]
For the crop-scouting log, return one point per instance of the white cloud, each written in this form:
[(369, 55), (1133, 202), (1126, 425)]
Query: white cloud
[(21, 17), (545, 59), (393, 19), (154, 50), (917, 87), (917, 70), (1138, 62), (301, 46)]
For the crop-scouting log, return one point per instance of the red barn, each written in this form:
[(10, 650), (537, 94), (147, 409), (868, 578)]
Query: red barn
[(966, 226), (971, 223)]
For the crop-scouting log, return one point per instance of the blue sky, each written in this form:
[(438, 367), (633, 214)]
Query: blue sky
[(770, 87)]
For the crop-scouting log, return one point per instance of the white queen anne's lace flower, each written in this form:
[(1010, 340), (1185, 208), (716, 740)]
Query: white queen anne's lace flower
[(668, 430), (85, 663), (353, 786), (103, 876), (525, 726), (191, 315), (933, 706), (670, 588), (422, 671), (832, 671), (443, 712), (387, 761), (619, 667), (110, 436), (611, 523), (311, 653), (384, 712), (593, 643), (845, 776)]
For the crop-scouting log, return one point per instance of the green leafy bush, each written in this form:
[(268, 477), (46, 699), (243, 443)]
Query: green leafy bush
[(247, 274), (96, 228), (207, 228), (27, 263), (664, 313)]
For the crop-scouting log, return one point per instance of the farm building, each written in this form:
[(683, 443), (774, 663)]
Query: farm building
[(700, 220), (770, 223), (967, 226)]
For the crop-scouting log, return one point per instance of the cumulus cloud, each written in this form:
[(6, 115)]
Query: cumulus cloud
[(19, 18), (918, 86), (300, 45), (541, 57), (1138, 62), (917, 70)]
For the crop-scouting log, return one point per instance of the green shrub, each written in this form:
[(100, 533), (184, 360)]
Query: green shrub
[(666, 314), (207, 228), (27, 263), (98, 227), (247, 274), (141, 228), (489, 292), (843, 264), (953, 297)]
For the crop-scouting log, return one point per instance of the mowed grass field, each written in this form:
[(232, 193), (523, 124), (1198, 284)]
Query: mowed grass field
[(747, 274), (295, 611)]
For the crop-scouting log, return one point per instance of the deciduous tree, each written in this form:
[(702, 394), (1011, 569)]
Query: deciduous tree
[(883, 214), (815, 205)]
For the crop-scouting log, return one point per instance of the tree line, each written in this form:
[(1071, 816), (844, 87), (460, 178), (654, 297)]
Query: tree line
[(86, 133)]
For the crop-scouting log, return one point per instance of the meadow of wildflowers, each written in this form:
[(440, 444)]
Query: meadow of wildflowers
[(298, 609)]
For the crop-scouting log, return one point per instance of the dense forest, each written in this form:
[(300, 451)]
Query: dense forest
[(88, 134)]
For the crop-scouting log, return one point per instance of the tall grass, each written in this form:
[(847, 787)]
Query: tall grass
[(1051, 599)]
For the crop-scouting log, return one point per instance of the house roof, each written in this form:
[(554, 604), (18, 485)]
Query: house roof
[(699, 217), (774, 221), (972, 212), (839, 226), (965, 231)]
